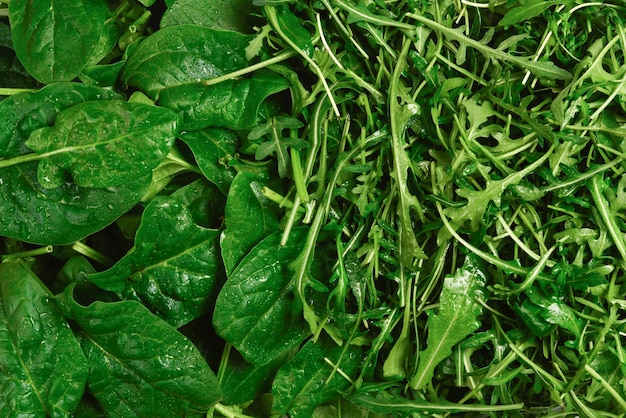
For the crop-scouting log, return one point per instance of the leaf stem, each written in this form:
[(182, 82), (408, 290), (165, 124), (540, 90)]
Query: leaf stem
[(285, 55)]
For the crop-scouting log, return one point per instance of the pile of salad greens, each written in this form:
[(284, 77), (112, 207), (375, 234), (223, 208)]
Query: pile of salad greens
[(323, 208)]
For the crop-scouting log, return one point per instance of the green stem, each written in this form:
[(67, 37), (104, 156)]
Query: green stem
[(542, 69), (607, 217), (9, 91), (285, 55), (30, 253)]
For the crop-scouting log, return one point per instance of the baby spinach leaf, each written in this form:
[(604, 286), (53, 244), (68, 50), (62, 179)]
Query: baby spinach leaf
[(213, 149), (232, 104), (249, 216), (44, 370), (243, 382), (173, 269), (102, 144), (183, 54), (22, 113), (457, 318), (60, 215), (308, 380), (232, 15), (257, 310), (139, 364), (55, 40)]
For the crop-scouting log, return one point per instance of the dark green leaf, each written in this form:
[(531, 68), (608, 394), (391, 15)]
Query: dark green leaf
[(213, 150), (219, 14), (307, 380), (44, 370), (22, 113), (249, 217), (55, 40), (183, 54), (102, 144), (257, 310), (60, 215), (174, 268), (139, 365), (232, 104)]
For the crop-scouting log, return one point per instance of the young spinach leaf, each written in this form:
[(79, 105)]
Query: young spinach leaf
[(56, 40), (44, 368), (174, 268), (138, 364), (102, 143), (257, 310)]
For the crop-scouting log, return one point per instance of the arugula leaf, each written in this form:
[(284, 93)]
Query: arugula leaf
[(138, 364), (529, 9), (44, 369), (173, 269), (276, 144), (457, 318), (48, 46)]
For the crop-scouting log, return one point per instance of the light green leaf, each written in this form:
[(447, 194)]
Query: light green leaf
[(528, 10), (457, 317), (173, 269), (140, 366), (44, 370)]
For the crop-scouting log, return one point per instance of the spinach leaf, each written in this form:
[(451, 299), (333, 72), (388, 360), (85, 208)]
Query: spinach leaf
[(312, 378), (213, 149), (232, 15), (183, 54), (56, 40), (44, 370), (102, 143), (232, 104), (23, 113), (257, 310), (173, 269), (138, 364), (63, 214), (249, 217)]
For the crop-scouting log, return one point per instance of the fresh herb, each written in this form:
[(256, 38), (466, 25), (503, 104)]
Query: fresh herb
[(312, 208)]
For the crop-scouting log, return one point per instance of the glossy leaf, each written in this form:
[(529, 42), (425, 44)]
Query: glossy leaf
[(44, 370), (183, 54), (22, 113), (55, 40), (232, 104), (102, 144), (257, 310), (307, 380), (456, 318), (173, 269), (213, 149), (528, 10), (248, 217), (219, 14), (60, 215), (139, 364), (243, 382)]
